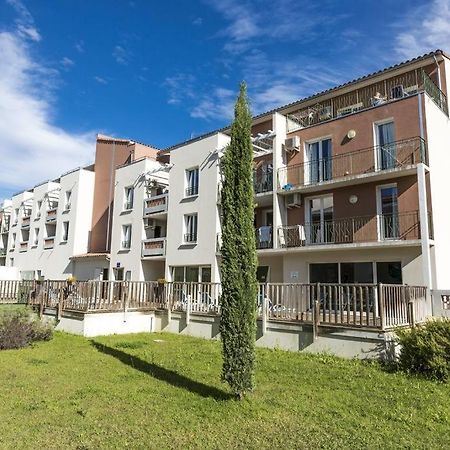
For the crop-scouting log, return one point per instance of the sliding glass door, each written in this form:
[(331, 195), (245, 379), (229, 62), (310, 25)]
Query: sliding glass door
[(319, 220), (319, 166), (386, 148), (388, 212)]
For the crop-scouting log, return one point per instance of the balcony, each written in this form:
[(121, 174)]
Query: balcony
[(2, 252), (375, 228), (399, 155), (373, 95), (49, 242), (264, 237), (263, 182), (156, 205), (26, 221), (23, 246), (51, 215), (4, 227), (153, 247)]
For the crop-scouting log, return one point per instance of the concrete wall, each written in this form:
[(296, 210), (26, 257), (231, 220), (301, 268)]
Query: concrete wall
[(131, 259), (9, 273), (438, 132), (202, 253)]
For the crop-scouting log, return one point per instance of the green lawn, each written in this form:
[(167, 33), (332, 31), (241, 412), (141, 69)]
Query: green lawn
[(163, 391)]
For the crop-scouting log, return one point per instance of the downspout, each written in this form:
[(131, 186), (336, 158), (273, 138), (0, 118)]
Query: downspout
[(111, 185)]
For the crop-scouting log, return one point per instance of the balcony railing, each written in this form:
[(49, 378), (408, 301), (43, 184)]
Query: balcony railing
[(190, 238), (154, 247), (51, 215), (2, 252), (263, 182), (264, 237), (395, 88), (126, 245), (191, 190), (23, 246), (156, 204), (49, 242), (26, 221), (402, 226), (396, 155)]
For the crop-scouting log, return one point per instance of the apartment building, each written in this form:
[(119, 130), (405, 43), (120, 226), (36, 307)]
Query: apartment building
[(349, 187)]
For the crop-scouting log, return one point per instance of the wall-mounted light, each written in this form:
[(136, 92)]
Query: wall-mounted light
[(351, 134), (353, 199)]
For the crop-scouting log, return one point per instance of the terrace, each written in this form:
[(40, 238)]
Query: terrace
[(394, 157), (157, 204), (369, 96)]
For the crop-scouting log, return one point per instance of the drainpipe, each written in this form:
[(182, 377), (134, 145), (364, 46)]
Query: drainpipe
[(111, 185)]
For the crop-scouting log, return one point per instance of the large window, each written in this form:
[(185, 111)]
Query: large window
[(36, 237), (67, 200), (319, 166), (129, 198), (356, 272), (192, 274), (192, 179), (126, 237), (190, 223)]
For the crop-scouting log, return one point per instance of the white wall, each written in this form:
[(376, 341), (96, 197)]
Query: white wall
[(131, 259), (55, 263), (203, 253), (438, 137)]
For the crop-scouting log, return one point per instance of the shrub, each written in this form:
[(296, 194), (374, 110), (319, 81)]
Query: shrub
[(19, 328), (425, 349)]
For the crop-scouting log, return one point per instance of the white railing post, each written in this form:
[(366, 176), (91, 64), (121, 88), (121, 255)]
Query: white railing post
[(188, 308), (264, 308)]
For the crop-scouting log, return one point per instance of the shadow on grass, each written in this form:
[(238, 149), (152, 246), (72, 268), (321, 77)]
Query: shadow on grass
[(160, 373)]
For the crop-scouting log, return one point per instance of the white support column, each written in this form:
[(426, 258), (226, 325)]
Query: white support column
[(424, 228), (279, 208)]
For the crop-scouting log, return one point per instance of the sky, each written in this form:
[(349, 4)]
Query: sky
[(163, 72)]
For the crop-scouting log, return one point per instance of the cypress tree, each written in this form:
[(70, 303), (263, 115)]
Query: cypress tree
[(239, 261)]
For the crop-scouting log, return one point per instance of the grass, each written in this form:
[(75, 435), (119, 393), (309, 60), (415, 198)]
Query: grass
[(163, 391)]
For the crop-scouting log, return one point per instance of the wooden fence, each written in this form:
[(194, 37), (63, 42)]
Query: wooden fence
[(379, 306)]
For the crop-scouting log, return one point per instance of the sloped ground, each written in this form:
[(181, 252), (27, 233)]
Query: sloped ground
[(164, 391)]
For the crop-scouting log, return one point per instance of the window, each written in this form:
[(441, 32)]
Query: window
[(25, 235), (13, 240), (192, 178), (129, 198), (36, 237), (16, 216), (262, 274), (67, 200), (191, 274), (346, 272), (387, 205), (190, 221), (65, 235), (126, 237), (128, 275), (318, 155), (324, 273), (319, 220), (389, 272), (357, 272), (39, 206)]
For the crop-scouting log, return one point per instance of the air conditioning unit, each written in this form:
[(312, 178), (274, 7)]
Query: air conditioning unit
[(149, 223), (293, 200), (292, 144)]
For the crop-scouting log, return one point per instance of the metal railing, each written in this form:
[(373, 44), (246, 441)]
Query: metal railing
[(190, 238), (125, 245), (49, 242), (263, 182), (191, 190), (396, 155), (373, 95), (346, 305), (401, 226)]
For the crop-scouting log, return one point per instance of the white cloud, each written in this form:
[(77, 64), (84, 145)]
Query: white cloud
[(32, 148), (426, 28), (67, 62), (197, 21), (120, 55), (100, 80), (180, 87), (79, 46)]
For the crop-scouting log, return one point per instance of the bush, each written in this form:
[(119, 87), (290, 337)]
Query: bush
[(425, 349), (19, 328)]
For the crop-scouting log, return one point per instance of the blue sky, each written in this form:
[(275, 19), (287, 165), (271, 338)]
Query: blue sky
[(162, 72)]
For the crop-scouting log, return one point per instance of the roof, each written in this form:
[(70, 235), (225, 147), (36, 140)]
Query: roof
[(319, 94), (91, 255), (105, 138)]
